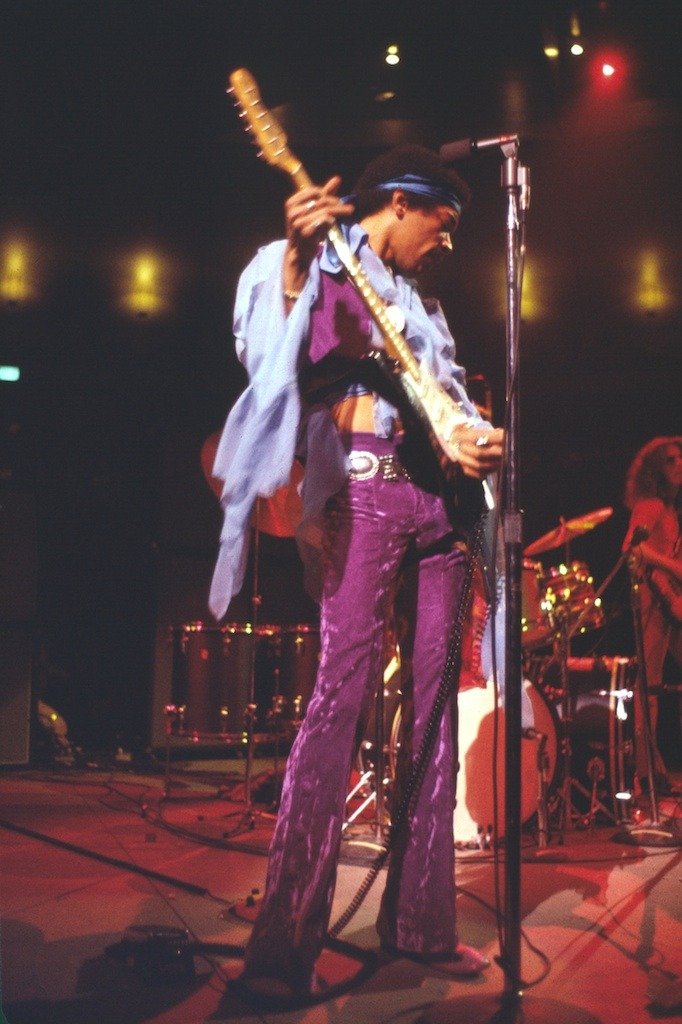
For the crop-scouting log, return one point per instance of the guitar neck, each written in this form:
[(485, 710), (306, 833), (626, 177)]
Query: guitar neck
[(269, 136), (396, 346)]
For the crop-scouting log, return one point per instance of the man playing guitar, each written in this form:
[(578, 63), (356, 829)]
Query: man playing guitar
[(373, 495)]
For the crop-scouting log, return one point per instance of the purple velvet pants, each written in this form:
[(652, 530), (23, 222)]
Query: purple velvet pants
[(370, 525)]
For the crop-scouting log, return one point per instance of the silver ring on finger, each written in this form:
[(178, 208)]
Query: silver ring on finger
[(310, 205), (482, 440)]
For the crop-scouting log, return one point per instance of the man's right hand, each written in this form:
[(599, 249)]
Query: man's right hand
[(309, 214)]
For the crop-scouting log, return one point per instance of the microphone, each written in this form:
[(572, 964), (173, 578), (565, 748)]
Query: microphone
[(466, 147)]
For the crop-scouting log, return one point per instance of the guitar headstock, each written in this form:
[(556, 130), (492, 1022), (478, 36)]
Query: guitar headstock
[(261, 123)]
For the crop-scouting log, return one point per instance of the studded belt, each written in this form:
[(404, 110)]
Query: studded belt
[(365, 465)]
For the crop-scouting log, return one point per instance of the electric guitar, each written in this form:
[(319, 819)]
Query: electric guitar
[(438, 413)]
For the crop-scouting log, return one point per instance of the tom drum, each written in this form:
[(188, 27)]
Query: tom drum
[(536, 629), (213, 670), (299, 657)]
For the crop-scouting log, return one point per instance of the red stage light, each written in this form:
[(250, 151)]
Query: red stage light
[(608, 68)]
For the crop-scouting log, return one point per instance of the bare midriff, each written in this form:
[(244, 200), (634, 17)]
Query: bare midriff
[(354, 415)]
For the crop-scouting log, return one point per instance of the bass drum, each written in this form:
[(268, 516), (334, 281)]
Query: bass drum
[(474, 815), (475, 809), (391, 723)]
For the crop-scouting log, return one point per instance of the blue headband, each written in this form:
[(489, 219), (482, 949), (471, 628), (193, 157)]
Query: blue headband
[(419, 186)]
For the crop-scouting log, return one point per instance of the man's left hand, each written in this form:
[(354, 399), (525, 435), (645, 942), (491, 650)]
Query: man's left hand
[(479, 449)]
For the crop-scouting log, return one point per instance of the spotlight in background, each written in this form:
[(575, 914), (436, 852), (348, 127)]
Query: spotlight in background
[(392, 55), (609, 68), (653, 293), (577, 48), (550, 44), (15, 273), (146, 294)]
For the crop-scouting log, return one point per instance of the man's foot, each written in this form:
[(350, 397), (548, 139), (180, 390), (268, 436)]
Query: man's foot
[(465, 962)]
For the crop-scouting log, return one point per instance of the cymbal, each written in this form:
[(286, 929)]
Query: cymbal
[(568, 530)]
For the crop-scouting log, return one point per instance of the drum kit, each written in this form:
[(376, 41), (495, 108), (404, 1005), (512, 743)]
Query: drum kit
[(577, 744), (245, 684)]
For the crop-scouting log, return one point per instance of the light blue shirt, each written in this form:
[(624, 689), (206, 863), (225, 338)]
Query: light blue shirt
[(267, 425)]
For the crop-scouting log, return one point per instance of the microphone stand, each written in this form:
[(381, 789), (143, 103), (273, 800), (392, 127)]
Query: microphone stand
[(515, 182), (248, 818)]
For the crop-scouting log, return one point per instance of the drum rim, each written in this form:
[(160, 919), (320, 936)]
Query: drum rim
[(232, 628)]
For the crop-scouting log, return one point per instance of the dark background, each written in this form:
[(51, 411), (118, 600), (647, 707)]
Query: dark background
[(117, 138)]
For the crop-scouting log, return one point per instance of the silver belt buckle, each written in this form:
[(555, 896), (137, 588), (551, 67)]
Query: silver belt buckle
[(363, 465)]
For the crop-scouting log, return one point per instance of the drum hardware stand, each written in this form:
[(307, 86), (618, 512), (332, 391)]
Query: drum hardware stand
[(597, 774), (174, 726), (248, 814), (542, 762), (373, 777), (172, 713), (542, 851), (569, 816), (276, 717)]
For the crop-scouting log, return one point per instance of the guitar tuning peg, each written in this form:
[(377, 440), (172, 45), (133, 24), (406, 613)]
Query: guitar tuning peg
[(229, 90)]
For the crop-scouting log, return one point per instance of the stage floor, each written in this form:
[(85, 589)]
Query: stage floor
[(88, 853)]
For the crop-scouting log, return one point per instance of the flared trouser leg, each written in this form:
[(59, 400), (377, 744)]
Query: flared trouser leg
[(364, 551), (418, 906)]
